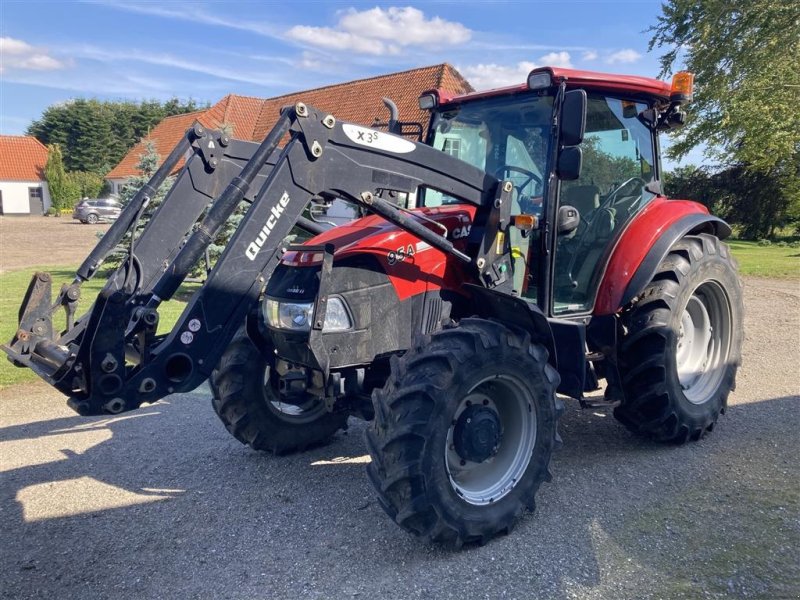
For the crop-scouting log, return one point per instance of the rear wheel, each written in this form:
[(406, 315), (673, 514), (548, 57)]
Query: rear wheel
[(92, 218), (246, 402), (463, 432), (682, 343)]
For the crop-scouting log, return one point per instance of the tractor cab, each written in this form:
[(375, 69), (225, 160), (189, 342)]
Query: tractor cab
[(512, 134)]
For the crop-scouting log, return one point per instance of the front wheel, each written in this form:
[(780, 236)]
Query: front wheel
[(682, 343), (463, 432), (245, 400), (92, 218)]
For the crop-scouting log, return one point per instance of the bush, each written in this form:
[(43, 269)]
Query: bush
[(764, 242), (52, 211), (782, 244)]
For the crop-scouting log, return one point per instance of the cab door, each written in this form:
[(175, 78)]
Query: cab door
[(618, 162)]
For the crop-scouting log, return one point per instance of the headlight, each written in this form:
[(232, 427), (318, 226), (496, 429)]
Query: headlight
[(297, 316), (289, 315), (336, 317)]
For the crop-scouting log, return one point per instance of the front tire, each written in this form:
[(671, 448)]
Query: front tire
[(248, 406), (463, 432), (92, 218), (682, 343)]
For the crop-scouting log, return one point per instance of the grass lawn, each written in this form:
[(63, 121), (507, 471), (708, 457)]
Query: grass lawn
[(12, 289), (766, 261)]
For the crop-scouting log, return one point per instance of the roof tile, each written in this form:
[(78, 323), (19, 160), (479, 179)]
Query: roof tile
[(22, 158), (357, 101)]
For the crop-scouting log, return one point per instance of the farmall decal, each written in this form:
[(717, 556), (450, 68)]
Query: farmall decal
[(276, 212)]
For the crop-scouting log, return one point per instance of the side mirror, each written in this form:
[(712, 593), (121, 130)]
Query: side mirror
[(569, 164), (573, 118), (568, 219)]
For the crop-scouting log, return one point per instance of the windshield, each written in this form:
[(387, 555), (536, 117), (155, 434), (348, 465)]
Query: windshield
[(506, 137)]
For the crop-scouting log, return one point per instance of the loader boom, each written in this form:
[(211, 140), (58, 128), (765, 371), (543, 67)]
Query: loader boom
[(111, 360)]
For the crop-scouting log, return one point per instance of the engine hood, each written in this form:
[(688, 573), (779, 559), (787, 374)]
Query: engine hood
[(376, 235)]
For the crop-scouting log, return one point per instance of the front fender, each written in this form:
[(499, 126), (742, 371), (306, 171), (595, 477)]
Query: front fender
[(645, 243)]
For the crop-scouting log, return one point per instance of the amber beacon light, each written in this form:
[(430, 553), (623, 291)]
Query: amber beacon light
[(682, 87)]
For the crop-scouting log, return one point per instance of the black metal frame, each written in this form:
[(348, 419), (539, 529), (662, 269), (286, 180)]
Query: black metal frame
[(111, 359)]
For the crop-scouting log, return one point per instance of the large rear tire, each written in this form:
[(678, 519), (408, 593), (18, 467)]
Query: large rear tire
[(248, 406), (463, 432), (682, 343)]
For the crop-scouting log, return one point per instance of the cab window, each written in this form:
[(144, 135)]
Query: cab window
[(618, 162)]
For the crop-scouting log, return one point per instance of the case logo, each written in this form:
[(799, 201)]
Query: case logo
[(276, 212)]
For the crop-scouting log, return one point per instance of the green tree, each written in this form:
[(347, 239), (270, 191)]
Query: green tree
[(56, 177), (745, 55), (86, 183), (147, 165), (94, 135)]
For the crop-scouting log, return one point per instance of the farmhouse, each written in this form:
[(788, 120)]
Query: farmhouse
[(248, 118), (23, 189)]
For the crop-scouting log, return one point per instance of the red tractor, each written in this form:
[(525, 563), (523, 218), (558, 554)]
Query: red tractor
[(524, 250)]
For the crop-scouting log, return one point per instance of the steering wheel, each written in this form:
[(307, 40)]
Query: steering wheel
[(531, 176), (611, 199)]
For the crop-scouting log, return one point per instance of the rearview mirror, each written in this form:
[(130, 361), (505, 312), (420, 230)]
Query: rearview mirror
[(568, 219), (569, 164), (573, 118)]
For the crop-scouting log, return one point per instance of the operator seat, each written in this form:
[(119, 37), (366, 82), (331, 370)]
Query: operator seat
[(585, 198)]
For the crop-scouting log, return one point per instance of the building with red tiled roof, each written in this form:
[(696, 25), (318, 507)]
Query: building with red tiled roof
[(23, 189), (248, 118)]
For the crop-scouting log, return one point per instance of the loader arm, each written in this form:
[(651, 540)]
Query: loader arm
[(112, 359)]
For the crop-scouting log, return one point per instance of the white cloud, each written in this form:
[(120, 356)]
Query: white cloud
[(623, 56), (589, 55), (195, 15), (381, 31), (176, 62), (488, 76), (20, 55), (485, 76), (557, 59)]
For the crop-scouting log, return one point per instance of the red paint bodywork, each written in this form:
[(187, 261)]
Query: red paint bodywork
[(574, 78), (637, 239), (427, 269)]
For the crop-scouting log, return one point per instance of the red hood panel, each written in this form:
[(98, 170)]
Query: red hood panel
[(413, 266)]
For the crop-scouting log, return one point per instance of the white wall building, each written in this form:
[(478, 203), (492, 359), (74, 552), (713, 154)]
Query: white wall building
[(23, 189)]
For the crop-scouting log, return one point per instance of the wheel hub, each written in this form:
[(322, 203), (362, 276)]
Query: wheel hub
[(477, 433)]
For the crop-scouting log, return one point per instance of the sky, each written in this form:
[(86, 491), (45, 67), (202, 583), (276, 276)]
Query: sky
[(52, 51)]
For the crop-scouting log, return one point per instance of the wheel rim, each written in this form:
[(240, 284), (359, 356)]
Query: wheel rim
[(291, 413), (703, 345), (484, 482)]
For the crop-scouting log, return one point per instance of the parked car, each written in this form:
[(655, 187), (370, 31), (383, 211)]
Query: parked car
[(97, 209)]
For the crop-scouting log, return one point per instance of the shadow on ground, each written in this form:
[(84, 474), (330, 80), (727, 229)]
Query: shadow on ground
[(164, 501)]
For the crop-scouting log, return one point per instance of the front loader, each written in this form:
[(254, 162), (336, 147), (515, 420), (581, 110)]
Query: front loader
[(524, 250)]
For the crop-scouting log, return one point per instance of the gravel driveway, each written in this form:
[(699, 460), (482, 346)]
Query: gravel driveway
[(162, 503), (52, 241)]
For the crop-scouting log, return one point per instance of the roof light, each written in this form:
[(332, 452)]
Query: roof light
[(428, 101), (682, 87), (538, 81)]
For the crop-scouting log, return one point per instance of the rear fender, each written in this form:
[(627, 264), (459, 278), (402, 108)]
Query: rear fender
[(645, 243)]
